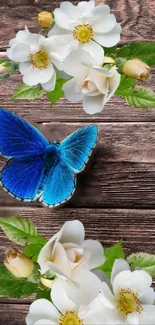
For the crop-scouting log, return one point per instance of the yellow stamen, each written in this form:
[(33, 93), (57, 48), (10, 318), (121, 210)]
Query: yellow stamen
[(128, 302), (70, 318), (83, 33), (39, 60)]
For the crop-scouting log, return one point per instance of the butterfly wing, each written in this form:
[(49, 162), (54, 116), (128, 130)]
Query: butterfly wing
[(21, 177), (77, 147), (60, 185), (19, 138)]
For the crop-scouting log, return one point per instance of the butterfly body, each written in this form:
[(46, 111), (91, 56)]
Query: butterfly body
[(38, 169)]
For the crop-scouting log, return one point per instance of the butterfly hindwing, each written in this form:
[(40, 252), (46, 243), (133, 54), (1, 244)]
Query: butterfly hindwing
[(21, 177), (18, 137), (60, 185), (77, 147)]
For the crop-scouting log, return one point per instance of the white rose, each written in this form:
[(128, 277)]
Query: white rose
[(68, 252), (91, 83)]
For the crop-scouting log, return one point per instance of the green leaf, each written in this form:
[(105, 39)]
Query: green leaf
[(21, 231), (24, 91), (144, 261), (32, 251), (112, 253), (13, 287), (139, 97), (7, 68), (108, 51), (126, 82), (144, 51), (57, 93), (46, 294)]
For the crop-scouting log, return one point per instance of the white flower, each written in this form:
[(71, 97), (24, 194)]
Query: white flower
[(63, 311), (37, 56), (90, 83), (71, 258), (87, 24), (131, 299)]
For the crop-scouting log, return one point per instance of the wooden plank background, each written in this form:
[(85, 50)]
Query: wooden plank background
[(115, 198)]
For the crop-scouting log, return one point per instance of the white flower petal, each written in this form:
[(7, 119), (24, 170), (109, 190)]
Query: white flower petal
[(100, 81), (109, 39), (86, 7), (34, 76), (70, 90), (60, 259), (89, 285), (42, 309), (56, 30), (100, 11), (113, 83), (103, 277), (46, 253), (95, 50), (97, 253), (59, 297), (93, 105), (69, 9), (104, 25), (120, 265), (106, 296), (19, 53), (73, 63), (137, 281), (50, 85), (62, 19), (147, 297), (44, 322), (133, 318), (93, 313), (23, 67), (147, 316), (73, 232)]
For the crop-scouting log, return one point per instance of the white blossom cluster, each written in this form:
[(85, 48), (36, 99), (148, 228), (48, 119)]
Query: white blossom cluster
[(80, 294), (74, 49)]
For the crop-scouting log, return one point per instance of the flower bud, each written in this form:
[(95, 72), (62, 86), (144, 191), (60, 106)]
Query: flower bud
[(5, 69), (45, 19), (46, 282), (108, 59), (136, 69), (18, 264)]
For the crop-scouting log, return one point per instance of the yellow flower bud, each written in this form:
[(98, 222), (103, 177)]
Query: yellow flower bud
[(108, 59), (136, 69), (4, 69), (18, 264), (45, 19), (46, 282)]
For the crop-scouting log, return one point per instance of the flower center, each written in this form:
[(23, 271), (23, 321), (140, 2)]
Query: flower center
[(128, 302), (83, 33), (39, 60), (70, 318)]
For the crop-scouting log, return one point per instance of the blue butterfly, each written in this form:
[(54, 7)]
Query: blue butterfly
[(37, 169)]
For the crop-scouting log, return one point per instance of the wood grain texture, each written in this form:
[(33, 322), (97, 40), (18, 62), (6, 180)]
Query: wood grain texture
[(13, 314), (123, 169), (122, 176), (135, 16)]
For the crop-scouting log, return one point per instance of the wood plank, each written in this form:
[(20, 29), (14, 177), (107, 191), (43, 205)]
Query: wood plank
[(135, 16), (134, 227), (13, 314), (123, 169), (41, 110)]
